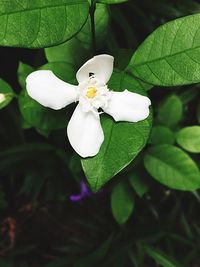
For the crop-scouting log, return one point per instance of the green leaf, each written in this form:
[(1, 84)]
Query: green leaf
[(172, 167), (45, 119), (160, 258), (123, 140), (70, 52), (111, 1), (23, 71), (36, 24), (161, 135), (122, 57), (77, 50), (62, 70), (122, 203), (139, 184), (170, 112), (189, 138), (6, 94), (171, 54)]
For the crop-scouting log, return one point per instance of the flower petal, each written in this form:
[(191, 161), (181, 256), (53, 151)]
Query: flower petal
[(101, 66), (44, 87), (128, 106), (85, 133)]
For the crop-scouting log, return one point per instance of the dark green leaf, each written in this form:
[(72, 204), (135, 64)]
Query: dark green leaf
[(23, 71), (122, 203), (123, 140), (171, 54), (161, 135), (170, 112), (139, 184), (172, 167), (35, 24)]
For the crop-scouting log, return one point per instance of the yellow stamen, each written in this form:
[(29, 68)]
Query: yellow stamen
[(91, 92)]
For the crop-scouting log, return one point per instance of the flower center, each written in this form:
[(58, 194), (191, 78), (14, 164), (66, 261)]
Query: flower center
[(91, 92)]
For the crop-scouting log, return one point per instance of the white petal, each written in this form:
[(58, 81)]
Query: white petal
[(101, 66), (44, 87), (128, 106), (85, 133)]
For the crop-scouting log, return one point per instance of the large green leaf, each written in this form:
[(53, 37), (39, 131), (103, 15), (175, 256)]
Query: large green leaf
[(122, 203), (6, 94), (189, 138), (172, 167), (78, 49), (40, 23), (171, 54), (123, 140)]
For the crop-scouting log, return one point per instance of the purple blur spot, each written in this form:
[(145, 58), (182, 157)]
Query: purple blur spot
[(84, 193)]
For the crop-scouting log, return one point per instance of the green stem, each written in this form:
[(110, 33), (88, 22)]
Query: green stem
[(92, 11)]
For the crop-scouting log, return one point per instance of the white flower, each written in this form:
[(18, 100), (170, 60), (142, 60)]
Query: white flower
[(84, 129)]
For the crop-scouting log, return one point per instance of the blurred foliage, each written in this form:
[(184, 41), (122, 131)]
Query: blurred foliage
[(49, 217)]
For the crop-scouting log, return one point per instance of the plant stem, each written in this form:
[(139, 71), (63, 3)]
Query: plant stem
[(92, 11)]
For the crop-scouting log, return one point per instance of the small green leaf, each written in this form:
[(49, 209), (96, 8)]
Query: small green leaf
[(123, 140), (189, 138), (6, 94), (36, 24), (172, 167), (23, 71), (139, 184), (170, 112), (171, 54), (122, 203), (161, 135), (160, 258)]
